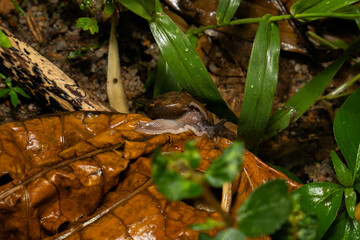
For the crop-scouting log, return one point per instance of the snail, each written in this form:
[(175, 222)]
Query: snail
[(194, 119)]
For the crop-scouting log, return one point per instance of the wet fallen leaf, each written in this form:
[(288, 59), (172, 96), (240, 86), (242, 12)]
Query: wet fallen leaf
[(87, 175)]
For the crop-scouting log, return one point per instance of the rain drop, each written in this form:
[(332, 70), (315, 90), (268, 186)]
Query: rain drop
[(186, 50)]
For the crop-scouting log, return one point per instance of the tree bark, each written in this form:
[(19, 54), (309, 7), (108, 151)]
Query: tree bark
[(43, 79)]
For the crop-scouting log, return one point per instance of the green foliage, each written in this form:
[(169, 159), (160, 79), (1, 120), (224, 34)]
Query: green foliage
[(318, 6), (87, 23), (227, 234), (226, 10), (265, 210), (87, 5), (172, 173), (227, 166), (321, 199), (109, 7), (347, 131), (18, 8), (207, 225), (345, 228), (307, 95), (261, 80), (350, 201), (187, 66), (342, 172), (4, 40), (12, 91)]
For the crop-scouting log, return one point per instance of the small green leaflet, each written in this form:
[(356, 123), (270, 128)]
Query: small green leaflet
[(226, 10), (4, 40), (87, 24)]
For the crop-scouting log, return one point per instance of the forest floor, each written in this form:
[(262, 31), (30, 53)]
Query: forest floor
[(303, 148)]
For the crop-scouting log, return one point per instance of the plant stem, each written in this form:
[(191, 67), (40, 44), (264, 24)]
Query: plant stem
[(337, 91), (278, 18), (209, 197)]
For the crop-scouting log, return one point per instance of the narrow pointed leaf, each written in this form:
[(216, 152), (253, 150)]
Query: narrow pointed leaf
[(347, 130), (143, 8), (226, 10), (342, 172), (350, 201), (165, 79), (265, 210), (318, 6), (21, 92), (306, 96), (322, 199), (187, 66), (261, 83), (207, 225)]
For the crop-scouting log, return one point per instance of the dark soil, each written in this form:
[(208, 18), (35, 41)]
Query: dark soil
[(303, 148)]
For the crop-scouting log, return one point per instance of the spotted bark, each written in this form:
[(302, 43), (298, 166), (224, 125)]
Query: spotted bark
[(43, 80)]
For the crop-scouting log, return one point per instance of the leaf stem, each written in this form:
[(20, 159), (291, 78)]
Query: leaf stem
[(337, 91), (278, 18)]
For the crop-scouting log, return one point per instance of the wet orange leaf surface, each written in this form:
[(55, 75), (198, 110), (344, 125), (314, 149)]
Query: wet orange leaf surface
[(85, 175)]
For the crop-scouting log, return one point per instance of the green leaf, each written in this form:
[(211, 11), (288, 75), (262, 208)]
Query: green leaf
[(350, 201), (318, 6), (2, 75), (4, 92), (207, 225), (342, 172), (191, 154), (170, 183), (306, 96), (165, 79), (260, 84), (87, 24), (227, 166), (4, 40), (8, 83), (226, 10), (265, 210), (143, 8), (227, 234), (187, 66), (13, 97), (322, 199), (21, 92), (109, 7), (344, 228), (347, 130)]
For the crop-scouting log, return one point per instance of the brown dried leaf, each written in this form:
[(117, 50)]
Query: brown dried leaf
[(88, 176)]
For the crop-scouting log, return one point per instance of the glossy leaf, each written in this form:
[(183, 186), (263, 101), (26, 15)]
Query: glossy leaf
[(143, 8), (87, 24), (342, 172), (350, 201), (109, 7), (4, 40), (170, 183), (226, 10), (347, 130), (344, 228), (228, 234), (306, 96), (187, 66), (268, 206), (227, 166), (318, 6), (322, 199), (260, 84), (164, 79)]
